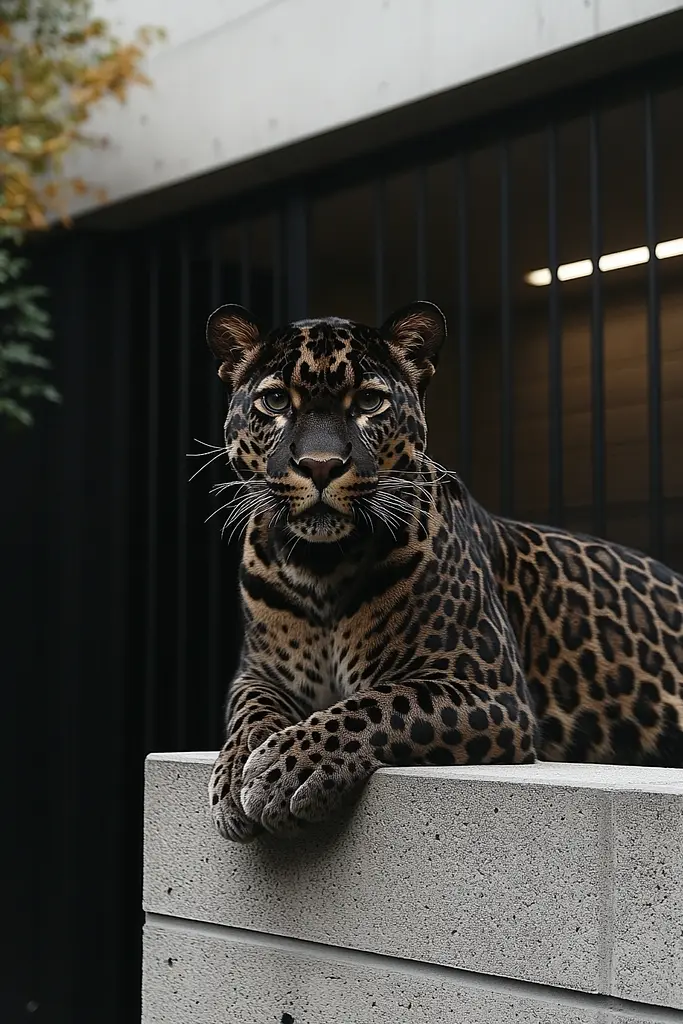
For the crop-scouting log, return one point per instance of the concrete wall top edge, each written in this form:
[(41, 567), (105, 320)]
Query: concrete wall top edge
[(575, 776)]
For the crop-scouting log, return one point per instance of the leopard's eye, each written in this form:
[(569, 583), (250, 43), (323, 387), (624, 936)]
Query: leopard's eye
[(275, 401), (369, 401)]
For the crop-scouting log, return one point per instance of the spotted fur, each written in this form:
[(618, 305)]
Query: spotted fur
[(389, 619)]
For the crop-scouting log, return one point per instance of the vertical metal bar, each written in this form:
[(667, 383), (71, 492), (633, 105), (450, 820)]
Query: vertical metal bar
[(181, 539), (464, 354), (597, 332), (380, 250), (119, 460), (556, 472), (297, 257), (278, 248), (74, 530), (124, 724), (28, 648), (421, 231), (152, 538), (245, 264), (507, 381), (216, 407), (654, 350)]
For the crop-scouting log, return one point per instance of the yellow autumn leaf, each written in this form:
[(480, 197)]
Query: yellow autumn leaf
[(53, 73)]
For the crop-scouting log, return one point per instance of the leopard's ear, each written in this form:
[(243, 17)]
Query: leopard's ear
[(234, 337), (415, 334)]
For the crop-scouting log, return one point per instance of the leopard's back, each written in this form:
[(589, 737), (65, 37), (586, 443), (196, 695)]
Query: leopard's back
[(600, 628)]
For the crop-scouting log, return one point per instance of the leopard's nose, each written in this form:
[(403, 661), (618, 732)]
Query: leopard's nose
[(322, 471)]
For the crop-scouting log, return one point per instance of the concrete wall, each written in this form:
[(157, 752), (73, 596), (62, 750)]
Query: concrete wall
[(240, 78), (551, 893)]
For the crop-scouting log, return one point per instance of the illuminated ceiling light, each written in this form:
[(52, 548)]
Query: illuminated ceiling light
[(667, 249), (626, 258), (570, 271), (610, 261), (538, 277)]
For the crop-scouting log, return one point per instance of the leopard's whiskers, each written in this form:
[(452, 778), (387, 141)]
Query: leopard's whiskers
[(288, 554), (389, 518), (397, 483), (387, 509), (367, 518), (280, 512), (258, 511), (239, 497), (208, 462), (218, 488), (212, 447), (397, 504), (248, 507)]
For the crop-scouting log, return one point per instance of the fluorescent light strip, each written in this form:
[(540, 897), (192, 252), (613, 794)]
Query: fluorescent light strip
[(610, 261), (627, 258), (570, 271), (667, 249)]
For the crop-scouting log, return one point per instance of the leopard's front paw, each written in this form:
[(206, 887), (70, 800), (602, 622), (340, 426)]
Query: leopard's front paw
[(226, 782), (292, 779)]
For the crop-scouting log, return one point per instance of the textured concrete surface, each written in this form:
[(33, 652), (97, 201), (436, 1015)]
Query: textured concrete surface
[(205, 974), (237, 79), (559, 875), (648, 897)]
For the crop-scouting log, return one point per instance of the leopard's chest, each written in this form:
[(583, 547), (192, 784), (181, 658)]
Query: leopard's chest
[(332, 663), (390, 621)]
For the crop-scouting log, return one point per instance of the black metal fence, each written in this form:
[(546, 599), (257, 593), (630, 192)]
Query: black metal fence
[(560, 399)]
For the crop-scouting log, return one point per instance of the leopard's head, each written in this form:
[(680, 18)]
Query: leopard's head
[(322, 412)]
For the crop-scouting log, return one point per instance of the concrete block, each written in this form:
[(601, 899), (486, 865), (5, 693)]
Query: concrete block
[(201, 977), (543, 873), (201, 974), (647, 908)]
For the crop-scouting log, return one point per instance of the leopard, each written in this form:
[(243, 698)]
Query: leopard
[(388, 618)]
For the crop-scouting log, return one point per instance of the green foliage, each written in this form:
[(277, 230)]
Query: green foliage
[(23, 321), (57, 64)]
